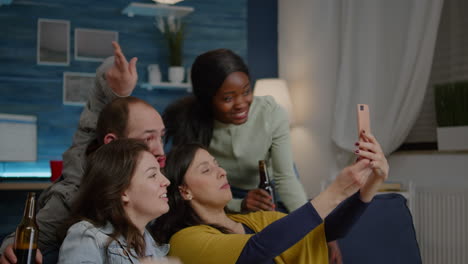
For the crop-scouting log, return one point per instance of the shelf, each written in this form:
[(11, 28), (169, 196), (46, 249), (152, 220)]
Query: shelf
[(161, 10), (187, 87), (5, 2), (15, 186)]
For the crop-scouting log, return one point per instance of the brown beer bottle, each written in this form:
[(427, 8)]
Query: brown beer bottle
[(265, 183), (27, 233)]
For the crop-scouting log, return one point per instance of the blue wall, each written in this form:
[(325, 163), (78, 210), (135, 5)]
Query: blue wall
[(26, 88), (262, 38), (31, 89)]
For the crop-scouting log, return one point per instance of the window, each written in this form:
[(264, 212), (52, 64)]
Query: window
[(450, 63)]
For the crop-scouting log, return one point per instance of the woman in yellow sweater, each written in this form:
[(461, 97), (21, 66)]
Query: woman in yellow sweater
[(200, 231)]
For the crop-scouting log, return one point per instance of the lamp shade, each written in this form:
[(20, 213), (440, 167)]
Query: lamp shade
[(279, 90)]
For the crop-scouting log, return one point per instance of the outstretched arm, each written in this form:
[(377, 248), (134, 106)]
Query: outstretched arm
[(292, 228), (352, 208)]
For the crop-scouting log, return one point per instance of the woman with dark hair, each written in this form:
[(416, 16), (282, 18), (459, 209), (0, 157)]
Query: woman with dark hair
[(200, 230), (122, 190), (238, 129), (118, 115)]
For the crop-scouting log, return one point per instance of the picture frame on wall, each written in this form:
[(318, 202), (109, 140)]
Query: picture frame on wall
[(76, 86), (94, 44), (53, 42)]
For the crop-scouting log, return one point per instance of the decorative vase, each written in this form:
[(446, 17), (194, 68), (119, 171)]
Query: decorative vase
[(176, 74), (154, 74)]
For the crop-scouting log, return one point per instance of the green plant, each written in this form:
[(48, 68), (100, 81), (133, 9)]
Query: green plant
[(173, 31), (451, 103)]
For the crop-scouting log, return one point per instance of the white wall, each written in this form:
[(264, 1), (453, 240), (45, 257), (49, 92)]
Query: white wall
[(310, 76), (431, 170)]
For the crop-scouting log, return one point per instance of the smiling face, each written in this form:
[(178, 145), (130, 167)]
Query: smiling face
[(146, 197), (232, 101), (205, 182)]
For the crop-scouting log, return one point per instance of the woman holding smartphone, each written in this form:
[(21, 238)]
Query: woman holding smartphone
[(200, 230)]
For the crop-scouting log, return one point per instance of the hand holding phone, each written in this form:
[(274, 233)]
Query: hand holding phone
[(363, 119)]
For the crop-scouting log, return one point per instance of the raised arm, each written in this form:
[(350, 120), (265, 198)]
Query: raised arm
[(115, 77), (338, 223), (265, 245)]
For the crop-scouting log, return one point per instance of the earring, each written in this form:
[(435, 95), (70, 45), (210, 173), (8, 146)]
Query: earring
[(189, 197)]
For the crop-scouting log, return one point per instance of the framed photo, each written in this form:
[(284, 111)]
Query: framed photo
[(76, 86), (94, 44), (53, 42)]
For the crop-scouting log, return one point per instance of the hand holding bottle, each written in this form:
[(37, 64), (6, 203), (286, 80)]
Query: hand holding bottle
[(9, 256), (256, 200)]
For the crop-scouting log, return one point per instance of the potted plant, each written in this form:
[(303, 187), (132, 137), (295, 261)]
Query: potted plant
[(451, 103), (173, 32)]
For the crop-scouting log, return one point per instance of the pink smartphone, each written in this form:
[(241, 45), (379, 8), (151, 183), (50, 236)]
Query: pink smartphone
[(363, 118)]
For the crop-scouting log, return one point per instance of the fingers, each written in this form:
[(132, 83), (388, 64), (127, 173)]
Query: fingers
[(369, 137), (117, 52), (366, 154), (258, 199), (360, 165), (262, 194), (132, 66), (38, 257), (9, 255), (334, 253), (377, 162), (371, 150), (368, 146), (120, 60), (359, 172)]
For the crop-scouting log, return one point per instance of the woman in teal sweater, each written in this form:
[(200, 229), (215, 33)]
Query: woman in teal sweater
[(238, 129)]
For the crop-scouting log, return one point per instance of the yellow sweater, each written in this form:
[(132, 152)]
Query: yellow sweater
[(206, 245)]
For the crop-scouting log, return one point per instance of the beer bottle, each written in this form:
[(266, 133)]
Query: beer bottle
[(265, 183), (27, 233)]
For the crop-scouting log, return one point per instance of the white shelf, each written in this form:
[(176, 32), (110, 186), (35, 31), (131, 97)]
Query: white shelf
[(162, 10), (167, 86)]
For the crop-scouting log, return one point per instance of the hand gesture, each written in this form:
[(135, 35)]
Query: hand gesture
[(10, 257), (122, 76), (370, 149), (256, 200)]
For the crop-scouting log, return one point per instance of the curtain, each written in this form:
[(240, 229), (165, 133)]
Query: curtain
[(335, 54), (385, 62)]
